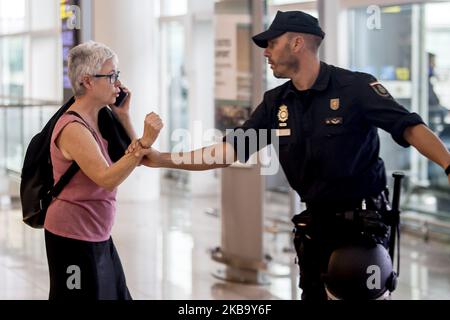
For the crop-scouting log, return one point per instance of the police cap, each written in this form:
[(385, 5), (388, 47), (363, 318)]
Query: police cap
[(289, 21)]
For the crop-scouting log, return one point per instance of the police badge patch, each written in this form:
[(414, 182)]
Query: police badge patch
[(283, 115), (334, 104), (380, 90)]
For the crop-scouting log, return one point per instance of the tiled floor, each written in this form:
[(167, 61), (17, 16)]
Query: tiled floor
[(165, 250)]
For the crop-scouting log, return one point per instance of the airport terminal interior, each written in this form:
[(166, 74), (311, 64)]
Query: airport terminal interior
[(224, 233)]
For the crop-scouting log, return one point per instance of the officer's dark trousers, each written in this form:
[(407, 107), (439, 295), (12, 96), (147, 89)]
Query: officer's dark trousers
[(326, 233)]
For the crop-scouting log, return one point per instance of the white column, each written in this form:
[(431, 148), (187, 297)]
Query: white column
[(200, 70), (332, 19), (128, 28)]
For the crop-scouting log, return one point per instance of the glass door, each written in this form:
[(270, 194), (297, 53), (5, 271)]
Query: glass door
[(174, 83), (409, 52), (437, 50)]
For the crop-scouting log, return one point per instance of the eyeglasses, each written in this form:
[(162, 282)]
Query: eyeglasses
[(113, 77)]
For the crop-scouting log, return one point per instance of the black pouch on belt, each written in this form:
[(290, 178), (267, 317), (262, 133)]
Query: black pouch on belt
[(302, 226), (302, 222), (370, 224)]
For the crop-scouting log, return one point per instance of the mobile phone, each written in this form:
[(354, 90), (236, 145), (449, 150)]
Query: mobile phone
[(121, 98)]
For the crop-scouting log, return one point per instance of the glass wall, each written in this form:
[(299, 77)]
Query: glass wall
[(386, 53), (437, 48), (175, 107), (12, 24), (30, 70), (408, 49), (176, 82)]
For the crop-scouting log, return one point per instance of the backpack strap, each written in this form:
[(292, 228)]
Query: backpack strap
[(85, 123), (76, 114), (64, 180), (73, 169)]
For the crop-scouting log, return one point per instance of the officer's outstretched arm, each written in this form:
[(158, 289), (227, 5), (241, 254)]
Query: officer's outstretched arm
[(215, 156), (428, 144)]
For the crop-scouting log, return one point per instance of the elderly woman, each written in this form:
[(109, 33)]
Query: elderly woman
[(83, 262)]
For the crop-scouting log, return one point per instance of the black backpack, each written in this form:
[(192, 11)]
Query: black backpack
[(37, 187)]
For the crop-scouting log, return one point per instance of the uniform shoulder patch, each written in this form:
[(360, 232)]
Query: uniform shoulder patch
[(380, 89)]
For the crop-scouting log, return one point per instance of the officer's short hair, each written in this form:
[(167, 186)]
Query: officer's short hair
[(312, 41), (87, 59)]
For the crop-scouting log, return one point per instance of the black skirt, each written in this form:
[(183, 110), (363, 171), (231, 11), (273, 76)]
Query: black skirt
[(84, 270)]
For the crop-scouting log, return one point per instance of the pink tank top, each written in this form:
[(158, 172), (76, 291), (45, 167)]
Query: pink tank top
[(83, 210)]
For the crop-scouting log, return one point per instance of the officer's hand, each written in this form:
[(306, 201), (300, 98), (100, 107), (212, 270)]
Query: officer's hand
[(152, 126), (142, 152), (153, 158)]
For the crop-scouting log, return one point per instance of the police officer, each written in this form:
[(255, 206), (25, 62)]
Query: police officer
[(326, 121)]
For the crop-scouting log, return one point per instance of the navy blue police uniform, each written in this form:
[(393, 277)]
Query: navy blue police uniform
[(328, 147)]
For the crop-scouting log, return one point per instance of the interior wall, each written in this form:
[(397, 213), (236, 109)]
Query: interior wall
[(128, 28)]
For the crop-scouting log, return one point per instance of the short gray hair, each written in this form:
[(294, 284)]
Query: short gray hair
[(87, 59)]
